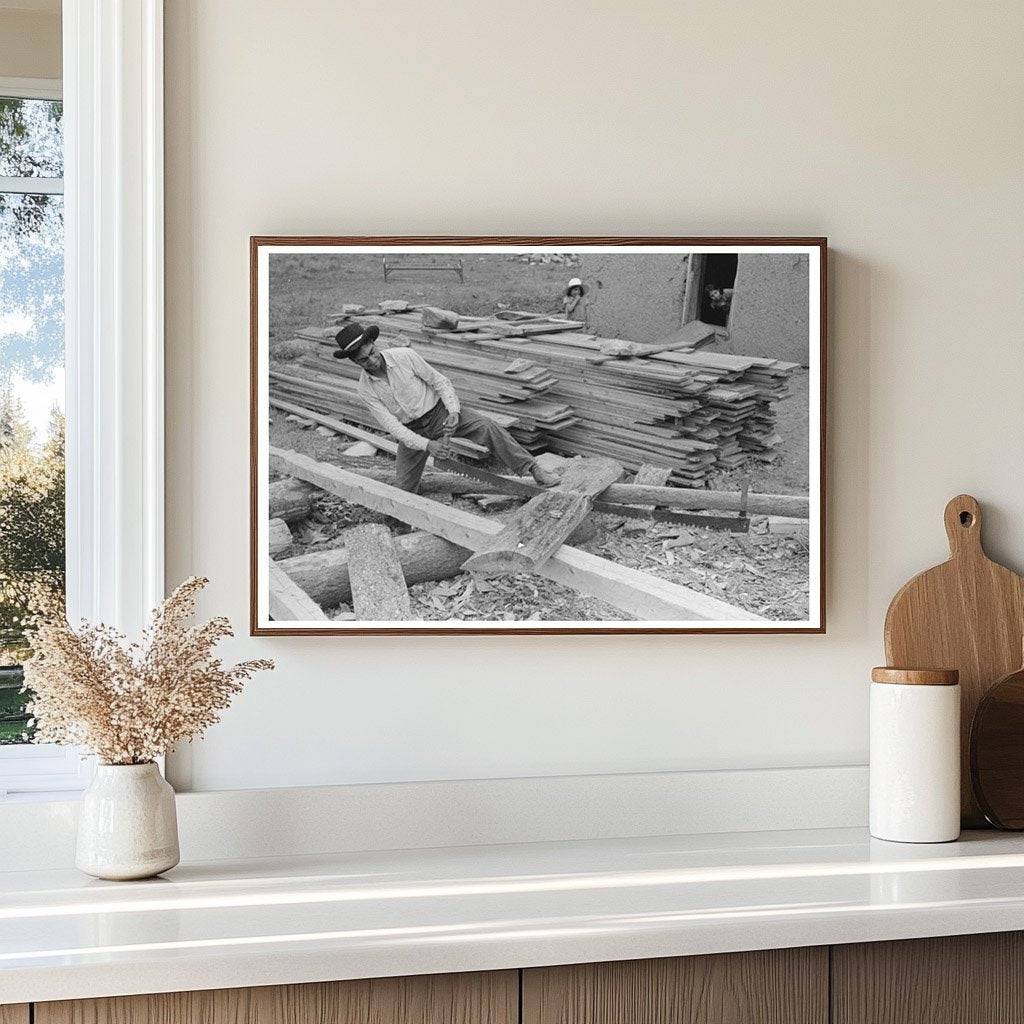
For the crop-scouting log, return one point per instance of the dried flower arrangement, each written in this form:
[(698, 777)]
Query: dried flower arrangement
[(129, 703)]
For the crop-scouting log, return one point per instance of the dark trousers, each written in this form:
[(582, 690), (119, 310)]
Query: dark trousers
[(472, 426)]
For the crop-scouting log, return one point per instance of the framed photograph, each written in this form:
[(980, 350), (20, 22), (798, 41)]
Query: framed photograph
[(537, 435)]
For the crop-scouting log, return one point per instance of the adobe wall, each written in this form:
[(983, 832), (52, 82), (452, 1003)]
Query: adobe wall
[(769, 315), (639, 298)]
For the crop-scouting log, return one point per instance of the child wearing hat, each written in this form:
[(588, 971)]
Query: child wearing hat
[(574, 305)]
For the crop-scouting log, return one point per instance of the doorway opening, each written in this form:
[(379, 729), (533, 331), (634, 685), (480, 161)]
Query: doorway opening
[(717, 280)]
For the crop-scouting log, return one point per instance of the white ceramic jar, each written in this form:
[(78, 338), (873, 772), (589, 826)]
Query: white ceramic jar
[(915, 755), (127, 825)]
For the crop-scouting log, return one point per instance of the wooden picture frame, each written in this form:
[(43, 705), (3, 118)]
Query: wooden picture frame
[(459, 250)]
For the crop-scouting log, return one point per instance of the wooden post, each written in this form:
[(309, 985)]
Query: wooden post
[(379, 592)]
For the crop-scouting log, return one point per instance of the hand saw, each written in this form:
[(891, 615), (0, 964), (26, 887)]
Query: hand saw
[(739, 523)]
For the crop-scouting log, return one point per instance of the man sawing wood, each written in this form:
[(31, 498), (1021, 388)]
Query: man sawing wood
[(418, 406)]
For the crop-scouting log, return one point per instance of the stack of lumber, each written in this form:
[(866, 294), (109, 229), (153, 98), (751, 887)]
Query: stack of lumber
[(510, 391), (673, 403)]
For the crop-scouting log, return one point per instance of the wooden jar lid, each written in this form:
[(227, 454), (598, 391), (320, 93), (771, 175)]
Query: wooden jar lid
[(916, 676)]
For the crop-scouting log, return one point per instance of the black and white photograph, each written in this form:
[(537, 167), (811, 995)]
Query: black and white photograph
[(537, 435)]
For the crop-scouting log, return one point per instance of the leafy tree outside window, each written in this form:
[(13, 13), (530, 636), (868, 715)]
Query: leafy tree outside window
[(31, 386)]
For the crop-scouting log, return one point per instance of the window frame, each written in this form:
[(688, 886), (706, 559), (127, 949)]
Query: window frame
[(112, 90)]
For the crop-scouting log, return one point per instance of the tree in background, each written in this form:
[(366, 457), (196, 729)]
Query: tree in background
[(31, 545)]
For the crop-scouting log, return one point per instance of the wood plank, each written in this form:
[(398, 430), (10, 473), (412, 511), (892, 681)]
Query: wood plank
[(287, 602), (544, 523), (379, 591), (778, 986), (634, 592), (477, 998), (14, 1013), (959, 979)]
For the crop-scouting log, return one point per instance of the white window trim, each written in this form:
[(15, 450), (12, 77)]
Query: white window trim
[(31, 88), (113, 169), (114, 322)]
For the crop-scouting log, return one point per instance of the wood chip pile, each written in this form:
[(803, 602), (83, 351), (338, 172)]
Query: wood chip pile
[(560, 389)]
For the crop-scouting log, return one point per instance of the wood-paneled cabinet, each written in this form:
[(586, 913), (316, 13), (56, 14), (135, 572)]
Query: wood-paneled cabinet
[(970, 979), (774, 986), (482, 998), (962, 979)]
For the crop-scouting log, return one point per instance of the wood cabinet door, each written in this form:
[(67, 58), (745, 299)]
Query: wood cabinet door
[(14, 1013), (777, 986), (960, 979), (481, 998)]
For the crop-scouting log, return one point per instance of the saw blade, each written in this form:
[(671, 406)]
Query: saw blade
[(500, 483)]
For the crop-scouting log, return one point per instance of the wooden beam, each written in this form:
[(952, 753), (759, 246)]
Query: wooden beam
[(379, 592), (459, 444), (544, 523), (287, 602), (383, 443), (637, 593)]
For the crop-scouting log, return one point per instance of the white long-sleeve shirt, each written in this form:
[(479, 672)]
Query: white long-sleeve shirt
[(410, 388)]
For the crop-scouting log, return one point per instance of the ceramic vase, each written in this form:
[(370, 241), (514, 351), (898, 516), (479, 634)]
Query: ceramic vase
[(127, 825)]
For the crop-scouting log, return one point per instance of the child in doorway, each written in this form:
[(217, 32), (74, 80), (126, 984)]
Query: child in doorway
[(574, 305)]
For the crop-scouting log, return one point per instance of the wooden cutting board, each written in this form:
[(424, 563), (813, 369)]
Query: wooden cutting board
[(967, 614)]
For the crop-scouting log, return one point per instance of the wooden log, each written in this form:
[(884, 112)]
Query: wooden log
[(696, 499), (637, 593), (532, 535), (290, 500), (280, 537), (544, 523), (288, 602), (324, 575), (379, 591)]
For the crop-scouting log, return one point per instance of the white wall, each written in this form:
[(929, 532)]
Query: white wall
[(895, 129)]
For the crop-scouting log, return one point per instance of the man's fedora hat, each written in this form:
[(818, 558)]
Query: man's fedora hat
[(576, 283), (351, 338)]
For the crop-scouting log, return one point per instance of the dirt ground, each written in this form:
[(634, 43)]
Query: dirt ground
[(762, 572)]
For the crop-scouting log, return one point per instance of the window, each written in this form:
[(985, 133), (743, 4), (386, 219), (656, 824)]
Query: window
[(104, 185), (32, 487)]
